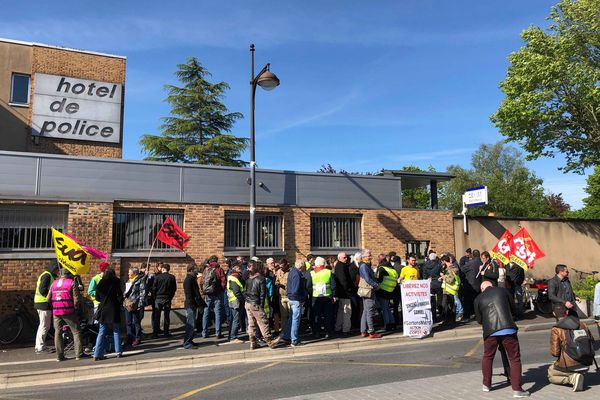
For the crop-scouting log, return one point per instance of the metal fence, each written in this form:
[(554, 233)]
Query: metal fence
[(237, 232), (335, 232), (30, 227), (136, 230)]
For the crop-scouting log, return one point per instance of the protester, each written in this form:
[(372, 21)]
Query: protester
[(515, 276), (192, 302), (134, 302), (281, 277), (466, 258), (357, 304), (597, 301), (561, 294), (235, 300), (410, 272), (274, 313), (450, 281), (214, 283), (94, 282), (471, 283), (431, 272), (344, 290), (43, 305), (567, 370), (490, 270), (256, 293), (297, 294), (164, 289), (387, 278), (493, 310), (66, 298), (367, 287), (322, 285), (108, 313), (150, 295)]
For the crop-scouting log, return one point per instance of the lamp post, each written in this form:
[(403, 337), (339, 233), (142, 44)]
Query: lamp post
[(268, 81)]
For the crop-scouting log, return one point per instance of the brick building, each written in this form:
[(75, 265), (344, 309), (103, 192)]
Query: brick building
[(60, 101), (48, 178)]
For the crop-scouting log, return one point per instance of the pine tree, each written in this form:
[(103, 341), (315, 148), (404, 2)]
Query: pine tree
[(198, 129)]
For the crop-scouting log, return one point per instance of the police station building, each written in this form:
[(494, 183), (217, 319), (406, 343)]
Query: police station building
[(61, 114)]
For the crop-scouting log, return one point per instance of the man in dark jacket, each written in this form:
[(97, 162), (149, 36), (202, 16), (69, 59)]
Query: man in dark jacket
[(560, 293), (42, 304), (470, 285), (214, 283), (493, 310), (490, 270), (566, 370), (256, 294), (193, 300), (344, 290), (431, 271), (164, 289), (296, 294)]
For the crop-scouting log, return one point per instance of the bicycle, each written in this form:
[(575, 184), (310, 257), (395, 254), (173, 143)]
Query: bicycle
[(11, 326)]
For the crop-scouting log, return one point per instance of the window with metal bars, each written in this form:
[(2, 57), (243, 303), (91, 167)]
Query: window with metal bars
[(237, 231), (418, 248), (136, 230), (30, 227), (334, 231)]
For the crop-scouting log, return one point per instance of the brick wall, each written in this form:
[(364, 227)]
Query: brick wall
[(382, 231), (84, 66)]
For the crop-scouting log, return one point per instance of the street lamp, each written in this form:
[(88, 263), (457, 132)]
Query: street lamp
[(268, 81)]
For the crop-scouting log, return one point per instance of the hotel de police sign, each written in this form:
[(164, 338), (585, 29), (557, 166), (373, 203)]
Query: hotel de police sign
[(77, 109)]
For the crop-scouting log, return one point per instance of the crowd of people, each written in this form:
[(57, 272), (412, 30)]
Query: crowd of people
[(336, 296)]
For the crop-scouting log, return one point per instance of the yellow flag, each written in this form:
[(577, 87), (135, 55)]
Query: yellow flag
[(70, 254)]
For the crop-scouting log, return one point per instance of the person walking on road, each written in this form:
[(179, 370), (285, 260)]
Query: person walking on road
[(108, 313), (493, 310), (164, 288), (561, 294), (43, 305), (256, 294)]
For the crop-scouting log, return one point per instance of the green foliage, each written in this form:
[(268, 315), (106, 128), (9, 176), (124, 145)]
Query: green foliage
[(418, 197), (513, 190), (584, 288), (591, 204), (196, 131), (558, 207), (552, 89)]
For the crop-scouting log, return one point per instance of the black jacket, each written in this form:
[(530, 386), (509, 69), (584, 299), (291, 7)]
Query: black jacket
[(256, 290), (490, 272), (344, 285), (108, 293), (494, 309), (557, 293), (45, 284), (164, 287), (431, 269), (192, 292), (470, 271)]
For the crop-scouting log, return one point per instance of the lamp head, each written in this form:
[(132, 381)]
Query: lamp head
[(268, 80)]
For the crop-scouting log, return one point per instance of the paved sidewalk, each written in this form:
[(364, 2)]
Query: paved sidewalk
[(466, 385)]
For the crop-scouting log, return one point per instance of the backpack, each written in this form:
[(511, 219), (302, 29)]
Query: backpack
[(580, 347), (209, 283)]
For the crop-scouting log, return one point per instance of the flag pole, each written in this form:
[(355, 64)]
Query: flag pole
[(150, 254)]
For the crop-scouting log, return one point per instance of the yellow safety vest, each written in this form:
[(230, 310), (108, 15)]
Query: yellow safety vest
[(321, 283), (92, 295), (230, 296), (390, 281), (267, 308), (452, 289), (38, 298)]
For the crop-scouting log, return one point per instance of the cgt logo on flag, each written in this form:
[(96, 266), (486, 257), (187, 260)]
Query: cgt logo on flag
[(173, 235), (525, 251), (502, 249)]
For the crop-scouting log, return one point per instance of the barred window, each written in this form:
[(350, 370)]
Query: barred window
[(237, 231), (30, 227), (418, 248), (136, 230), (334, 231)]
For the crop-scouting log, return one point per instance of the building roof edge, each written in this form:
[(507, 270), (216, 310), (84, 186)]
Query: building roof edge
[(95, 53)]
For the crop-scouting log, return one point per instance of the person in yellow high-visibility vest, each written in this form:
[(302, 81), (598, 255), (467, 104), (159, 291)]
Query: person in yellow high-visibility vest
[(450, 284), (322, 285), (387, 278), (235, 298), (41, 302), (94, 282)]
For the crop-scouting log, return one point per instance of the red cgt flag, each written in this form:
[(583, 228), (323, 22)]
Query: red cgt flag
[(173, 235), (525, 251), (502, 249)]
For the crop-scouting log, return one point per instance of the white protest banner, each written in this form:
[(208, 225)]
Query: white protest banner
[(416, 308)]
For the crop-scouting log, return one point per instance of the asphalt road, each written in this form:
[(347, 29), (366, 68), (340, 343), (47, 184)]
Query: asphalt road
[(297, 376)]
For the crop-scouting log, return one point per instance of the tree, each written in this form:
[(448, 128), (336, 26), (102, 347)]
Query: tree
[(194, 133), (558, 206), (591, 204), (513, 190), (417, 197), (329, 169), (552, 87)]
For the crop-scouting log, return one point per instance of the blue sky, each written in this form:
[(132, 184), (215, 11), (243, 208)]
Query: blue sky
[(364, 85)]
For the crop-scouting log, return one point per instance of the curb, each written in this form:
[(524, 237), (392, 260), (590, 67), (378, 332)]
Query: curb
[(76, 374)]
